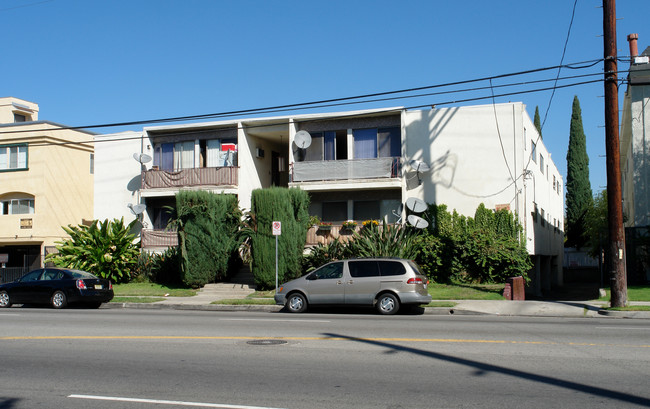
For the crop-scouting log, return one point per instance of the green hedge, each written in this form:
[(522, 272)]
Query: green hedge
[(291, 208), (207, 228)]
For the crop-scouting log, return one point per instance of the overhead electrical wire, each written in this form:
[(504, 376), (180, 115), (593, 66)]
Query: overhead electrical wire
[(330, 118), (319, 103)]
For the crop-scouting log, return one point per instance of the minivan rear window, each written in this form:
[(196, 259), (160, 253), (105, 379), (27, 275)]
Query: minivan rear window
[(391, 268), (363, 268)]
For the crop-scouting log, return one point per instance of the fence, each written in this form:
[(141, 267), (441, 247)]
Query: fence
[(12, 273)]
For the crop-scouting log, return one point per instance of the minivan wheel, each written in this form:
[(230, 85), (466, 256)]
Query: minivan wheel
[(296, 303), (59, 300), (387, 304)]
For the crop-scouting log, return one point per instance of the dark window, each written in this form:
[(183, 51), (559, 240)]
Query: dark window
[(391, 268), (334, 270), (20, 118), (335, 211), (366, 210), (363, 268)]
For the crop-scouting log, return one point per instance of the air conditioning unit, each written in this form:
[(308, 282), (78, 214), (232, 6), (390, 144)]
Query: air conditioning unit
[(259, 152)]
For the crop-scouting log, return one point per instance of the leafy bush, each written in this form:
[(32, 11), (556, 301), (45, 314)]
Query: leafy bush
[(487, 248), (207, 228), (163, 268), (106, 249)]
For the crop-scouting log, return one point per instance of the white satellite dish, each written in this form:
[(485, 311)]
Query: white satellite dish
[(302, 139), (417, 222), (416, 205), (142, 157), (137, 209), (398, 213), (419, 166)]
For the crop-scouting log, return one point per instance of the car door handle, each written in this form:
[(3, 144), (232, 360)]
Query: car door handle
[(351, 282), (339, 282)]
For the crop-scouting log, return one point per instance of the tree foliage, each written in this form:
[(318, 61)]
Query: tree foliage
[(578, 188), (487, 248), (537, 122), (106, 249), (207, 229), (291, 208)]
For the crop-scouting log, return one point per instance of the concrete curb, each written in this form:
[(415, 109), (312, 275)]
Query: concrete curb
[(497, 308)]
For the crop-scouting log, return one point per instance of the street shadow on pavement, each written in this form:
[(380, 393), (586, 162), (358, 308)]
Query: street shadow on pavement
[(484, 367), (8, 403)]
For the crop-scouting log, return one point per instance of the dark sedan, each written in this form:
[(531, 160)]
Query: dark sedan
[(57, 287)]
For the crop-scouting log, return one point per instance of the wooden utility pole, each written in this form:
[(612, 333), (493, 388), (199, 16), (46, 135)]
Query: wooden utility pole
[(616, 246)]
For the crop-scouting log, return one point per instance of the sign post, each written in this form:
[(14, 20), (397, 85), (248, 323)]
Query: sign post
[(277, 230)]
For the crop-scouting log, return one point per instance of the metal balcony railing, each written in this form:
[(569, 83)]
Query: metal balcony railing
[(351, 169), (221, 176)]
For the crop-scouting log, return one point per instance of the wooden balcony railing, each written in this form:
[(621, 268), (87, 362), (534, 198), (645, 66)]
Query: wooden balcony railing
[(158, 238), (221, 176)]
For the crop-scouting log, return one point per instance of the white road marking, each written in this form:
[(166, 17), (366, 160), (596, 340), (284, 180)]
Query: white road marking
[(266, 320), (631, 328), (167, 402)]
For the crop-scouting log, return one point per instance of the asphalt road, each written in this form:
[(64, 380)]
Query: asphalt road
[(178, 359)]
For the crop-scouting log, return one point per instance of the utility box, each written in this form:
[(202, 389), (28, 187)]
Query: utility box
[(514, 289)]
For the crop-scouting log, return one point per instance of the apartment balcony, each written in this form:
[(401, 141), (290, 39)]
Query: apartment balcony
[(346, 170), (162, 179), (158, 239)]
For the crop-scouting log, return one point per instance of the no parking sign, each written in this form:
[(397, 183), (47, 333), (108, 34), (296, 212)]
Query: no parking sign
[(277, 228)]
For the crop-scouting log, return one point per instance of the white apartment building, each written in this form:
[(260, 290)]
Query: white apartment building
[(356, 167)]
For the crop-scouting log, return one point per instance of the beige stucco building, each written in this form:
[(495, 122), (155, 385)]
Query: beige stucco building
[(46, 181)]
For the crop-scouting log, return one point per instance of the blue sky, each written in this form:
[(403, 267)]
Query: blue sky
[(91, 62)]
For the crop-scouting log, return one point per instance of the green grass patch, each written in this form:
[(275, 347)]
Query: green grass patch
[(141, 300), (246, 301), (634, 293), (151, 290), (262, 294), (466, 291)]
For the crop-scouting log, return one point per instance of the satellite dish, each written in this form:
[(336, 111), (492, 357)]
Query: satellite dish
[(416, 205), (398, 213), (302, 139), (417, 222), (419, 166), (137, 209), (142, 157)]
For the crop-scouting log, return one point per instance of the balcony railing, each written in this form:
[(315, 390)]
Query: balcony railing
[(221, 176), (351, 169), (158, 238)]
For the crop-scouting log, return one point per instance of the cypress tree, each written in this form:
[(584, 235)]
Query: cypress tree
[(579, 198), (538, 122)]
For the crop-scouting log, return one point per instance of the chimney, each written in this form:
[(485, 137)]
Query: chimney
[(634, 49)]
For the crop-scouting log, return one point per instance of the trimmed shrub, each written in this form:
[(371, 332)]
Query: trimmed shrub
[(207, 229), (290, 207)]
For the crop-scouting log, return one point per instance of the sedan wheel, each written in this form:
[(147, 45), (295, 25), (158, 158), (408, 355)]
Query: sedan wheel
[(387, 304), (5, 302), (296, 303), (59, 300)]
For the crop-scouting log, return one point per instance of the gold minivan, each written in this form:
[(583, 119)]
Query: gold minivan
[(386, 283)]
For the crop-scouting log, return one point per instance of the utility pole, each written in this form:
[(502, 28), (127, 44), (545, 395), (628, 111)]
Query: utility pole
[(616, 246)]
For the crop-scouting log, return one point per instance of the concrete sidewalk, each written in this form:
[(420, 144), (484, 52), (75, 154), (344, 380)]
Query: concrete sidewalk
[(215, 292)]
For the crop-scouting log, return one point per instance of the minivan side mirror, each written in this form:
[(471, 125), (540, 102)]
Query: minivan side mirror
[(312, 277)]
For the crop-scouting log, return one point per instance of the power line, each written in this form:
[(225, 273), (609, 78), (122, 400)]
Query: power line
[(330, 118), (318, 104)]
